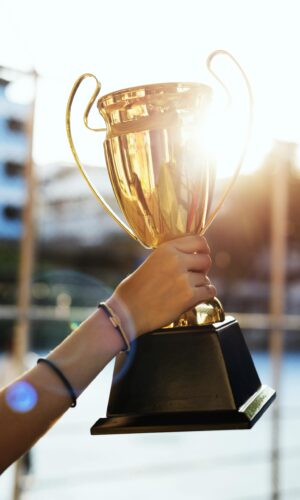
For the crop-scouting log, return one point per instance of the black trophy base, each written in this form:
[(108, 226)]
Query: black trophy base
[(185, 379)]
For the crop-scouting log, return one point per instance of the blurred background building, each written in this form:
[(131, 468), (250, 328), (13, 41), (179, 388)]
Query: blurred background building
[(13, 155)]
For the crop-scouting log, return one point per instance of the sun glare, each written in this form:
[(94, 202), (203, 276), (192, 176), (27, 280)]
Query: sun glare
[(269, 63), (234, 143)]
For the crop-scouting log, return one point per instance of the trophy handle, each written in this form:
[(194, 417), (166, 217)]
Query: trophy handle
[(248, 132), (96, 193)]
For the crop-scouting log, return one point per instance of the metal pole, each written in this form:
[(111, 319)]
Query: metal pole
[(21, 331), (279, 210)]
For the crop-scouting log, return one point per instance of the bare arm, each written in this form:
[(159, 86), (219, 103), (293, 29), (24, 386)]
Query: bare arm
[(171, 280)]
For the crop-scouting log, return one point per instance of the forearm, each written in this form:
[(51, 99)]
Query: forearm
[(80, 357)]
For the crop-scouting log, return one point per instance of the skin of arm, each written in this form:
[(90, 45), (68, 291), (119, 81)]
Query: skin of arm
[(171, 280)]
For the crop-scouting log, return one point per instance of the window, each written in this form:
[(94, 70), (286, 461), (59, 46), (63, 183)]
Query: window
[(13, 168), (15, 125), (12, 213)]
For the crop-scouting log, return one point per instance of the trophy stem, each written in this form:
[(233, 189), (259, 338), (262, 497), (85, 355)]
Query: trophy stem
[(205, 313)]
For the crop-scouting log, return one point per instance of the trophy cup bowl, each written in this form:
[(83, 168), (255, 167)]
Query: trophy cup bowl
[(197, 373), (160, 183)]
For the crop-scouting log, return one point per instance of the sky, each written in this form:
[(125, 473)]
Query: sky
[(131, 42)]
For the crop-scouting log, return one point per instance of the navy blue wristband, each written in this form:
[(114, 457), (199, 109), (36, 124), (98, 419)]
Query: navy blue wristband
[(62, 378)]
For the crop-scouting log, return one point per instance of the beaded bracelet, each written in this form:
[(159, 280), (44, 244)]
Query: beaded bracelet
[(62, 378), (115, 321)]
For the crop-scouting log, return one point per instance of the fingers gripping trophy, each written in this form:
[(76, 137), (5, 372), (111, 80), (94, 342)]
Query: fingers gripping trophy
[(196, 374)]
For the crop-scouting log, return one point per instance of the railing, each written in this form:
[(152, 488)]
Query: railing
[(253, 321)]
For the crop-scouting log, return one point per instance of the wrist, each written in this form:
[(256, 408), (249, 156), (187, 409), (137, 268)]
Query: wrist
[(106, 332), (121, 311)]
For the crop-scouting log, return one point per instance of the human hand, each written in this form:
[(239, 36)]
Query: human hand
[(172, 280)]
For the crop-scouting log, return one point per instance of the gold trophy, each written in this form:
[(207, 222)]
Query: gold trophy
[(196, 374)]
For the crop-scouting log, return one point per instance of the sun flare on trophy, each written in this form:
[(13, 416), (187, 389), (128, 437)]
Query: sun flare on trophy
[(224, 137)]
